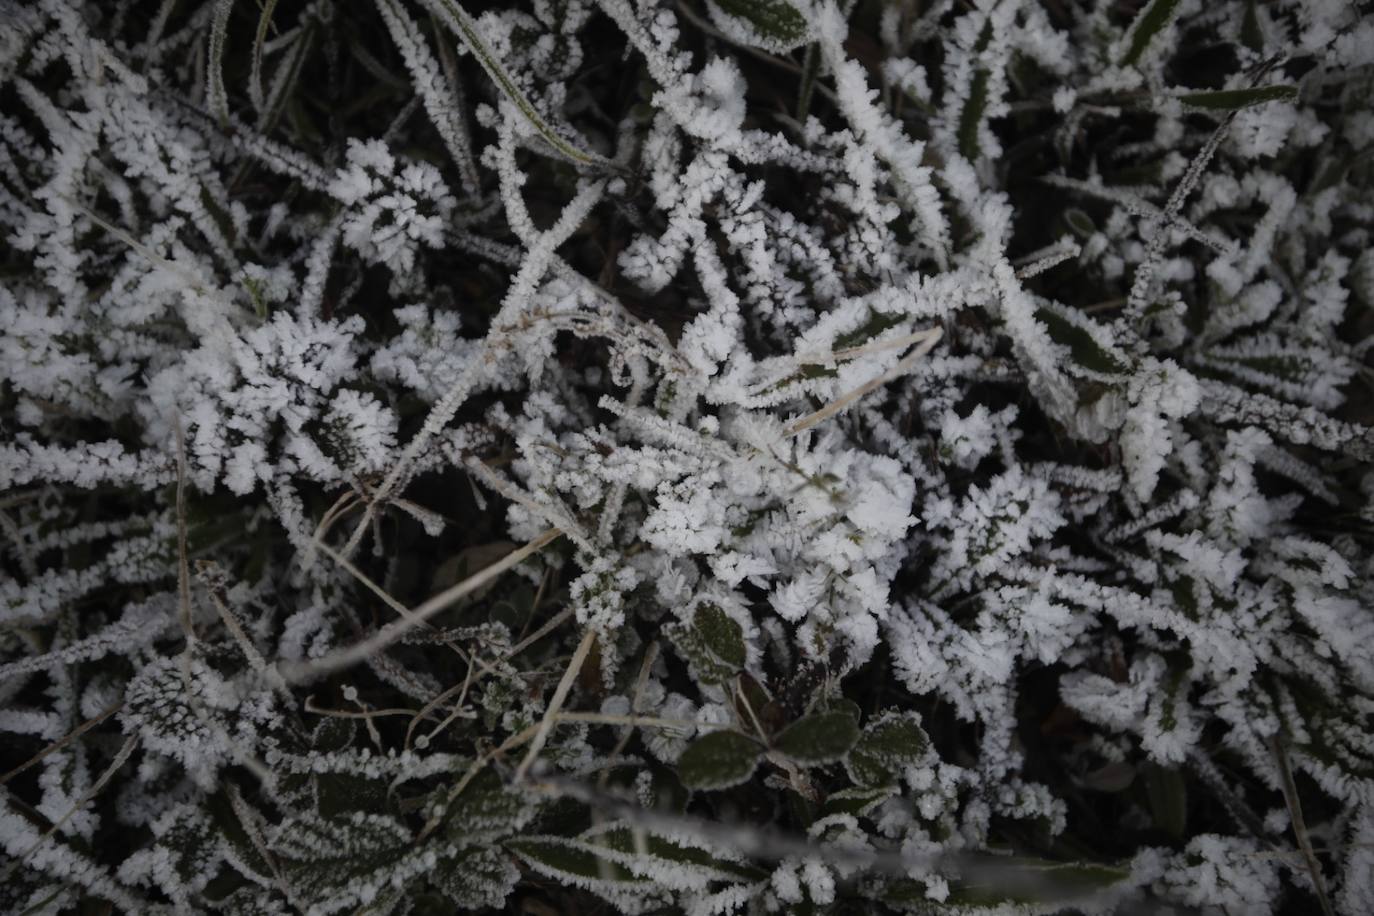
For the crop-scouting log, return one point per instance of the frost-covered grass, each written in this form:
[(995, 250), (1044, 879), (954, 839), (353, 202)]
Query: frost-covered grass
[(701, 457)]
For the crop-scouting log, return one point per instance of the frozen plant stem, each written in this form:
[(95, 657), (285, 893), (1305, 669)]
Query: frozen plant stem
[(300, 672)]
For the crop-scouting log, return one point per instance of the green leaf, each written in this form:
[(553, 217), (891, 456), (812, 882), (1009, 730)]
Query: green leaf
[(972, 114), (1151, 21), (1083, 347), (774, 25), (339, 794), (649, 846), (1233, 99), (172, 713), (887, 746), (821, 738), (334, 862), (1250, 34), (1023, 879), (241, 851), (188, 842), (877, 323), (570, 861), (720, 635), (476, 877), (713, 643), (844, 705), (486, 810), (1168, 794), (857, 800), (719, 760)]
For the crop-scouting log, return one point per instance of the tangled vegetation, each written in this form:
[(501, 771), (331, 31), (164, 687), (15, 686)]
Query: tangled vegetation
[(686, 456)]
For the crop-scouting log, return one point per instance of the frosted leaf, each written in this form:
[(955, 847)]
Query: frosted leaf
[(712, 641), (774, 25), (1222, 872), (346, 861), (819, 738), (718, 760)]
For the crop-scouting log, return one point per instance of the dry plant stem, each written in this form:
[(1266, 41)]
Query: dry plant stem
[(380, 592), (297, 672), (749, 708), (349, 714), (458, 713), (642, 679), (18, 499), (327, 521), (602, 718), (472, 678), (1207, 771), (538, 593), (434, 704), (1290, 795), (1145, 271), (878, 346), (932, 337), (65, 740), (193, 281), (535, 264), (555, 704), (119, 760)]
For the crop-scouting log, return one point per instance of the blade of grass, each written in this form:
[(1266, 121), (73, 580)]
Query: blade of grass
[(216, 98), (932, 337), (296, 672), (255, 72), (1290, 797), (458, 20)]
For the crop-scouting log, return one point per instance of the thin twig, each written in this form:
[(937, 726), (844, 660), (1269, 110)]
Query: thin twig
[(298, 671), (559, 695), (849, 397), (349, 714), (65, 740), (435, 704), (119, 760), (553, 623)]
